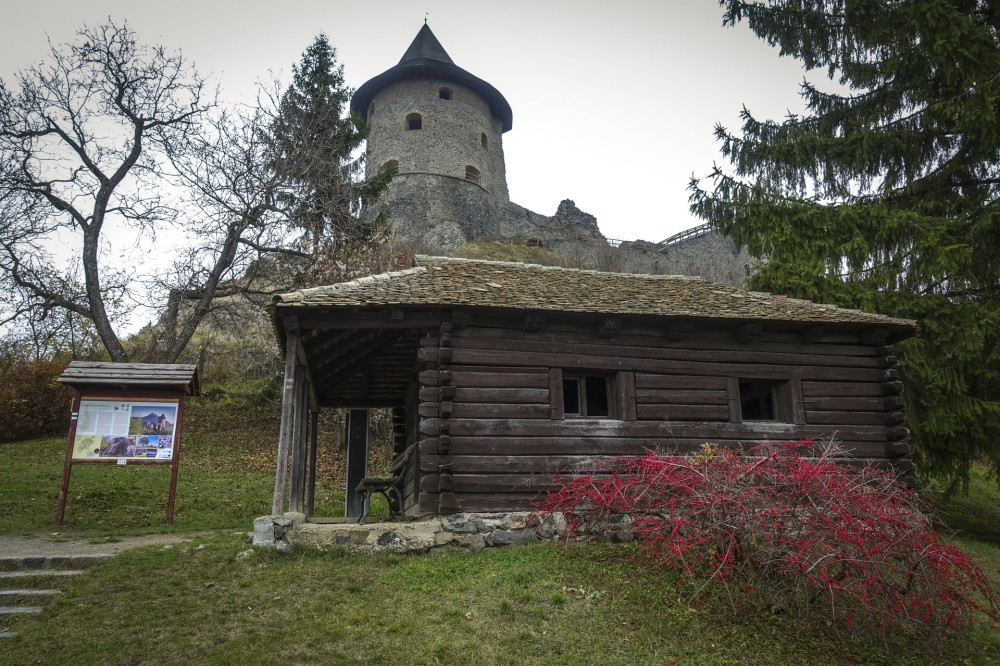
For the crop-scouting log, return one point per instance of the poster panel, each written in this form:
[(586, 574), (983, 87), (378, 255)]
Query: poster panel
[(118, 430)]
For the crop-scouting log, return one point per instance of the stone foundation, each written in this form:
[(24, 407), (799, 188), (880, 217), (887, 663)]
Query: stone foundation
[(435, 534)]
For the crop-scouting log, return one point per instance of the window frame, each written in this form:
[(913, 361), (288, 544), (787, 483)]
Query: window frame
[(617, 394), (785, 398)]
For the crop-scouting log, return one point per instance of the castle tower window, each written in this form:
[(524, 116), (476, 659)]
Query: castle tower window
[(444, 93), (472, 173), (483, 140), (414, 121)]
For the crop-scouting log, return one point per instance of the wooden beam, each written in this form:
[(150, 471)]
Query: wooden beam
[(679, 330), (748, 332), (349, 369), (812, 334), (296, 494), (287, 419), (534, 322), (609, 327)]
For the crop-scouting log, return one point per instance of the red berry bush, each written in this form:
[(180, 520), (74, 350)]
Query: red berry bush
[(785, 524)]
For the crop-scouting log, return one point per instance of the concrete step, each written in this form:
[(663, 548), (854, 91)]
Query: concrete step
[(24, 597), (19, 610), (16, 563), (39, 572)]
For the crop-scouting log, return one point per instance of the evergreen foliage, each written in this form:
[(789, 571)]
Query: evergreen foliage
[(883, 196), (316, 145)]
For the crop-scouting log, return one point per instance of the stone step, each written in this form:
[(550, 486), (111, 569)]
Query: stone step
[(19, 610), (18, 597), (39, 572), (15, 563)]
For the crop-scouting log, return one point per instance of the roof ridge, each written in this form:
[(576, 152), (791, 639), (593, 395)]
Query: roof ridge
[(584, 271)]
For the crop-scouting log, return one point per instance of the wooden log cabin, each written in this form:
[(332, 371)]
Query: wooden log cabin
[(502, 374)]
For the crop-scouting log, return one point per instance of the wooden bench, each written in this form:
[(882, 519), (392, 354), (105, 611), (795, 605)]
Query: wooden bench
[(386, 485)]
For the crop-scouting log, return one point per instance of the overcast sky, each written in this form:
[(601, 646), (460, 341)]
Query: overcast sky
[(614, 103)]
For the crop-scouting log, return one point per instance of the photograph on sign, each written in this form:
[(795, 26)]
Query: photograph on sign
[(125, 429)]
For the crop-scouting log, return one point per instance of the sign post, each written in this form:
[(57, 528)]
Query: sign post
[(126, 414)]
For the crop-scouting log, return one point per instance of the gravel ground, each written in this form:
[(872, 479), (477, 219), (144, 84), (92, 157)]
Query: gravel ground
[(68, 543)]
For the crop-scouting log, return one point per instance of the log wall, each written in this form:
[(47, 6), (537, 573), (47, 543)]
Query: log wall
[(491, 432)]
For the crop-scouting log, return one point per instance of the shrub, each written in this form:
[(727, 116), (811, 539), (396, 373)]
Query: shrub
[(786, 525), (32, 403)]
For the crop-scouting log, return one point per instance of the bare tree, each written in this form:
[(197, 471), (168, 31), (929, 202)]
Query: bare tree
[(80, 138)]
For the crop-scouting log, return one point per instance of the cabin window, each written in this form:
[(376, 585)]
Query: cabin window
[(414, 121), (765, 400), (444, 93), (586, 396), (472, 173), (484, 140)]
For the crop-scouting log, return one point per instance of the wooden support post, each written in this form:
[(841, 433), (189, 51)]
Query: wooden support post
[(68, 465), (287, 418), (311, 487), (296, 496), (356, 434), (175, 464)]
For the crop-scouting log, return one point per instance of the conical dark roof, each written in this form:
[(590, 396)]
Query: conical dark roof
[(427, 59)]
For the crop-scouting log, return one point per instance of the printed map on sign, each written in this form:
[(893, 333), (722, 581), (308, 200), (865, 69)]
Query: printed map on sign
[(115, 429)]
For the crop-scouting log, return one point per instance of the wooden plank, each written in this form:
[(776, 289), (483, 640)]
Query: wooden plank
[(663, 352), (748, 370), (645, 381), (526, 378), (812, 389), (709, 336), (648, 412), (557, 405), (500, 411), (681, 397), (503, 395), (683, 442), (287, 420), (625, 385), (858, 404), (845, 418)]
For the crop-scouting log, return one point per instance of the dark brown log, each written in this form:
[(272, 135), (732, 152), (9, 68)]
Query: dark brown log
[(888, 361), (524, 379), (533, 322), (897, 449), (500, 411), (448, 504), (645, 381), (895, 418), (443, 445), (445, 377), (429, 409), (429, 354), (812, 334), (840, 389), (626, 396), (446, 482), (845, 418), (556, 398), (428, 378), (459, 427), (682, 397), (897, 433), (429, 483), (445, 340), (790, 355), (679, 330), (448, 392), (445, 355), (889, 375), (748, 332), (429, 394), (747, 370), (875, 335), (609, 327), (846, 404), (446, 408), (647, 412), (894, 402), (502, 395), (446, 327), (892, 388)]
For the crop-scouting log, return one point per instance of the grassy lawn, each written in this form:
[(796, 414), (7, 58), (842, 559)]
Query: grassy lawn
[(202, 602), (216, 601)]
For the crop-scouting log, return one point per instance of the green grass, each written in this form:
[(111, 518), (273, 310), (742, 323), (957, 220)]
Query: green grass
[(201, 602), (206, 602), (225, 478)]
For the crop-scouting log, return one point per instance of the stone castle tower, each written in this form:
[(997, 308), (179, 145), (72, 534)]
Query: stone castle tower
[(443, 129)]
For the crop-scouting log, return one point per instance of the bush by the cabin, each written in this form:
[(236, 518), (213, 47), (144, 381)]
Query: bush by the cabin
[(33, 403), (783, 528)]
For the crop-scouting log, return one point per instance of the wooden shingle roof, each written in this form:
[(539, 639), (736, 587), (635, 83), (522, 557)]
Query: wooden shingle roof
[(180, 377), (443, 281)]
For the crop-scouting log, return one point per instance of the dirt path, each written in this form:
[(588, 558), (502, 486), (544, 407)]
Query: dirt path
[(69, 543)]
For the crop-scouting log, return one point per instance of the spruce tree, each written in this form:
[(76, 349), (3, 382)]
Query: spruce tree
[(883, 195), (316, 145)]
